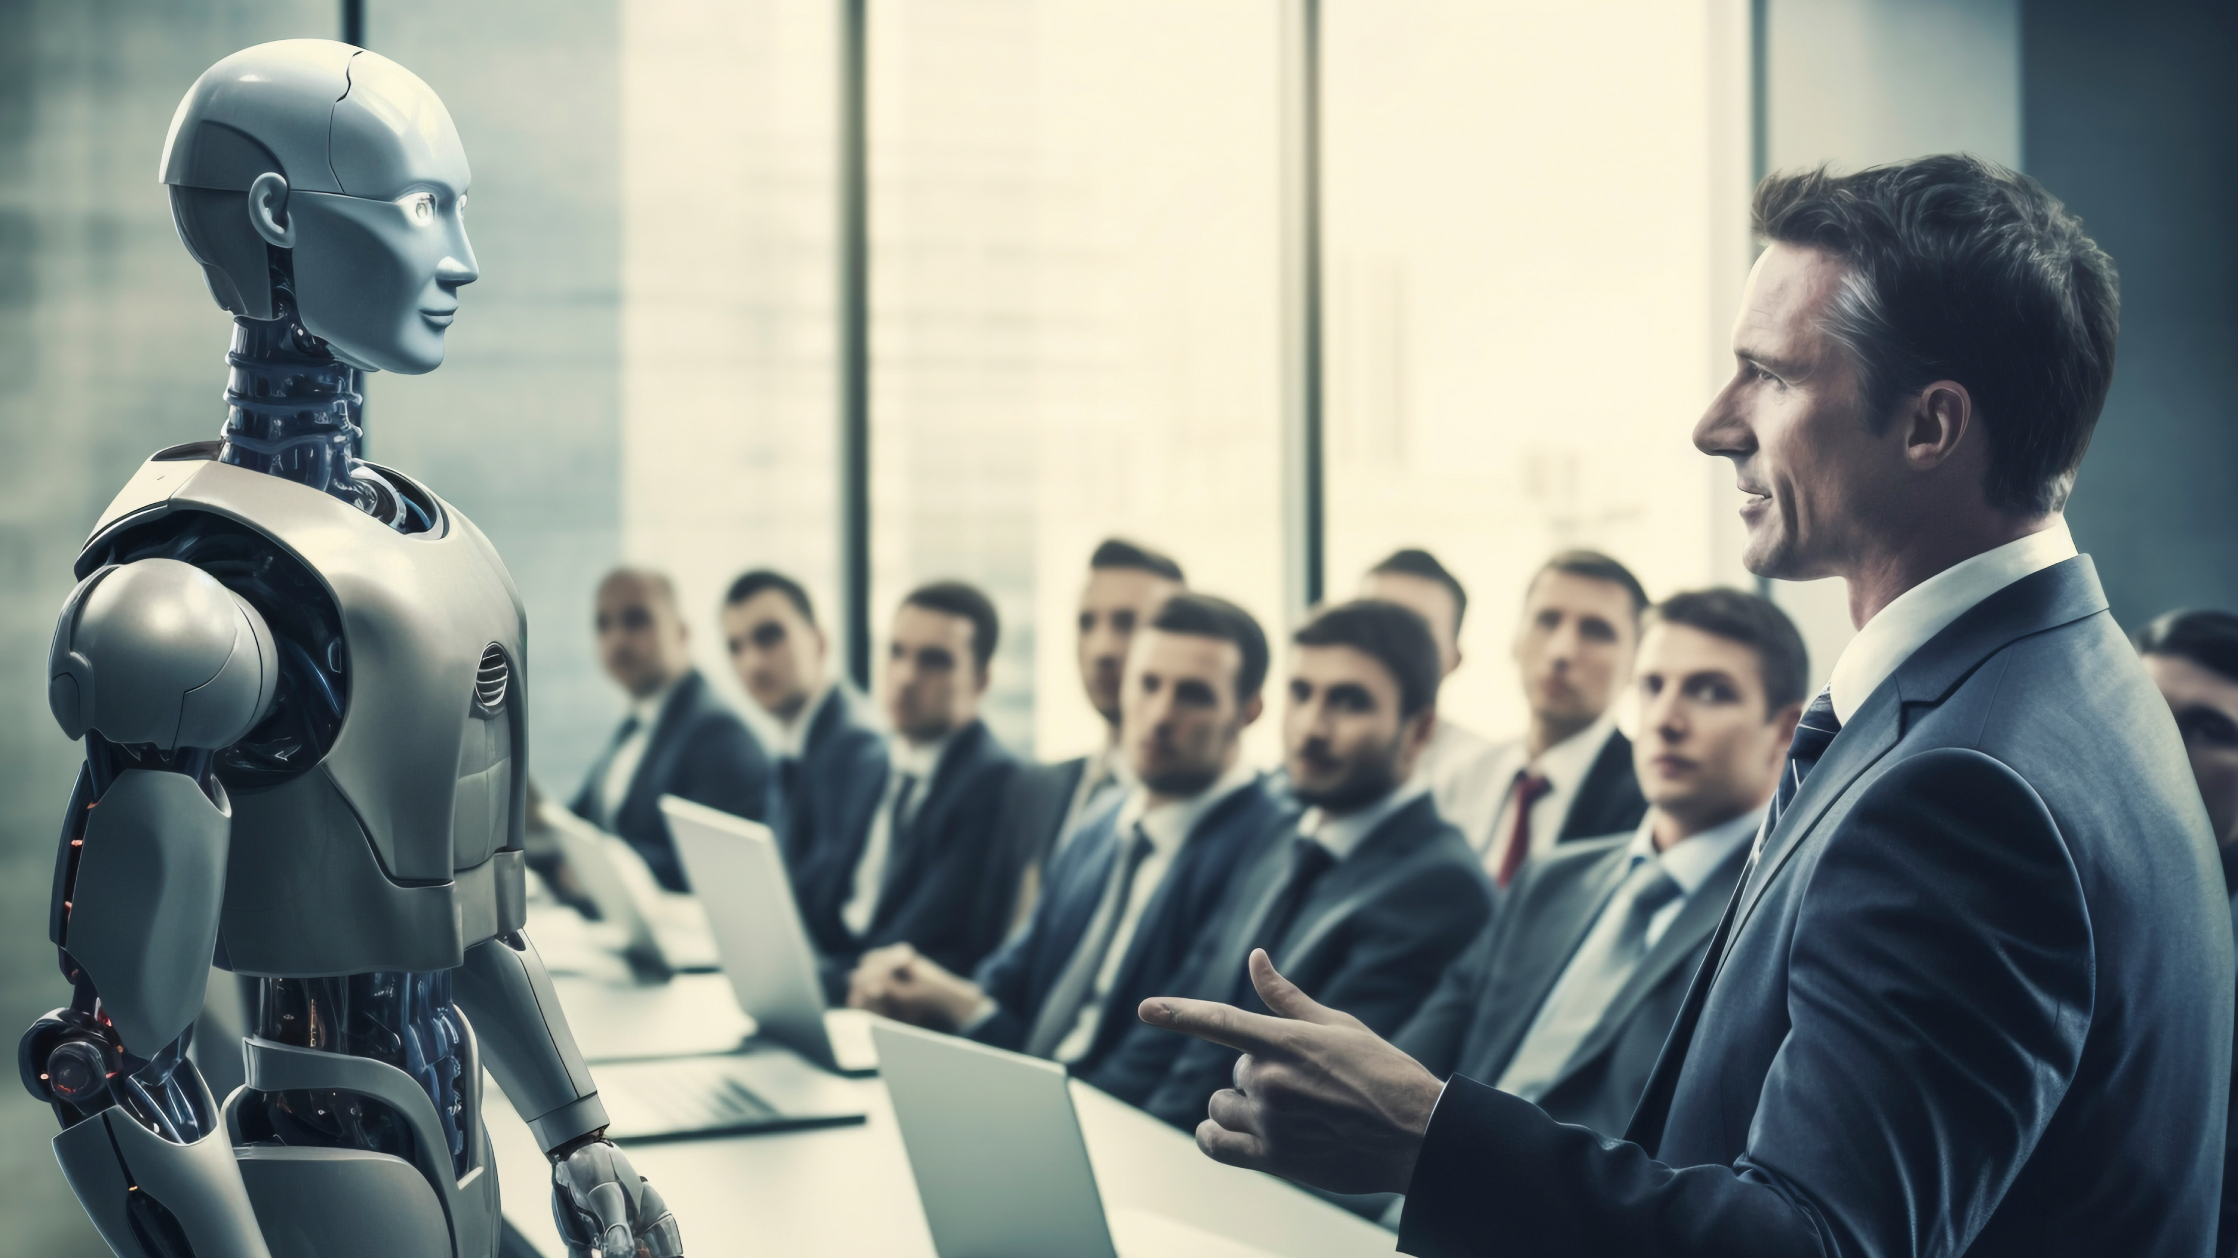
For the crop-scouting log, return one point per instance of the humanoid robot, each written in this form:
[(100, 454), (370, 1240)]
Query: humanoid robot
[(300, 681)]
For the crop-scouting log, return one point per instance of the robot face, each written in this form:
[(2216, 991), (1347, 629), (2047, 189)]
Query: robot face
[(379, 266)]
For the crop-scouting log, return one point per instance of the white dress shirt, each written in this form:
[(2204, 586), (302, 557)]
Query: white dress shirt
[(621, 768), (1462, 769), (906, 760), (1105, 771), (1168, 826), (1564, 766), (1688, 864), (1926, 609), (1342, 835), (792, 736)]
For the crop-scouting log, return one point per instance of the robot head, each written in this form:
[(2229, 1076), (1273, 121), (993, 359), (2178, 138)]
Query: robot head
[(318, 167)]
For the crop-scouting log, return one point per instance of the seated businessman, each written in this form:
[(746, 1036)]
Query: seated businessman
[(679, 738), (1128, 897), (825, 750), (1568, 998), (1369, 894), (925, 867), (1974, 993)]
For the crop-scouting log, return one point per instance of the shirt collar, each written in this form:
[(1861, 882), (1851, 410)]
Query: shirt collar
[(1344, 835), (1691, 860), (648, 709), (1921, 612), (1170, 824), (792, 735), (918, 761), (1565, 764)]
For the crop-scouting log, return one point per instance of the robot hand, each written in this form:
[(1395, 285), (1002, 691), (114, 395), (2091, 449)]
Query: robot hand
[(605, 1209)]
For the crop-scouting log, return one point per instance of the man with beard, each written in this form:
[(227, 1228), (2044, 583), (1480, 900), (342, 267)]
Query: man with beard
[(1129, 895), (1366, 895)]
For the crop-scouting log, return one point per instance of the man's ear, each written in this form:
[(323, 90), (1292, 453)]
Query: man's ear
[(1935, 423), (268, 209), (1253, 709)]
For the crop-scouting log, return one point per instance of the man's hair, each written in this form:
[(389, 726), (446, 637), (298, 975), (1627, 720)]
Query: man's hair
[(1596, 566), (2208, 639), (1397, 637), (958, 598), (1117, 552), (651, 578), (1413, 561), (1781, 658), (1210, 616), (1960, 269), (760, 579)]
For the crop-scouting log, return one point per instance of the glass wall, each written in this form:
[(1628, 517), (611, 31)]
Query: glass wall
[(1530, 260), (1073, 313)]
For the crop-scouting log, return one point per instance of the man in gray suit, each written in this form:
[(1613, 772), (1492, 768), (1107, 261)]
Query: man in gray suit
[(1567, 999)]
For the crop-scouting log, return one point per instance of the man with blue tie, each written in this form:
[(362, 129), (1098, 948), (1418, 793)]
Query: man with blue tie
[(826, 752), (1974, 993), (679, 737), (1128, 897), (926, 867)]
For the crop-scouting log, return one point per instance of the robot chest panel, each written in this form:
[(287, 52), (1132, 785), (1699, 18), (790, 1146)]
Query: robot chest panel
[(435, 638)]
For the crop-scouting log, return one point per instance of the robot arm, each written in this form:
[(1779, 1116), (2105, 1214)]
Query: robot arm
[(600, 1203), (155, 664)]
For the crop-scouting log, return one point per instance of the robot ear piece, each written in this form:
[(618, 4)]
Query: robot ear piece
[(70, 698), (268, 210)]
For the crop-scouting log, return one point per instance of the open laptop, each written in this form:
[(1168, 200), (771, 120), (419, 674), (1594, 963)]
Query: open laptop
[(1001, 1166), (660, 933), (739, 876)]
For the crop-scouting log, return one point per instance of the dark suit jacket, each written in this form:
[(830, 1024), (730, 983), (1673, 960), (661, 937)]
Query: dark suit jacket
[(827, 798), (1974, 996), (948, 885), (699, 750), (1608, 801), (1021, 974), (1371, 939), (1476, 1019)]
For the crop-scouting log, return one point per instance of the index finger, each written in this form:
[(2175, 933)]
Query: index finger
[(1210, 1020)]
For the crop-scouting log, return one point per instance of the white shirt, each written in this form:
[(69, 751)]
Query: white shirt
[(1926, 609), (1343, 835), (621, 769), (1688, 863), (792, 735), (1564, 766), (1168, 826), (906, 759), (1462, 769), (1105, 771)]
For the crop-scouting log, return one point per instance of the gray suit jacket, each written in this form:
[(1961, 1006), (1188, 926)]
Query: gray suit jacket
[(1476, 1019)]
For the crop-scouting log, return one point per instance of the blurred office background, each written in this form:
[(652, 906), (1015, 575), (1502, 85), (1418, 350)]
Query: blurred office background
[(1275, 285)]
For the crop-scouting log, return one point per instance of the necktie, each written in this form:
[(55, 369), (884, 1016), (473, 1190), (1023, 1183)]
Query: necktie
[(1813, 734), (1528, 790), (1308, 861), (784, 806), (897, 833), (875, 865), (1604, 962), (1061, 1011)]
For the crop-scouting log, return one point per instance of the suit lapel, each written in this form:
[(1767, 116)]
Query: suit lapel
[(661, 746), (1694, 925), (1514, 1000), (1390, 843), (1599, 792)]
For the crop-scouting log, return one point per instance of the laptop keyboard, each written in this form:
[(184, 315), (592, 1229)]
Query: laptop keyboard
[(690, 1096)]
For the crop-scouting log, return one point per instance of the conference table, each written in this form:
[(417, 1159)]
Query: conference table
[(848, 1190)]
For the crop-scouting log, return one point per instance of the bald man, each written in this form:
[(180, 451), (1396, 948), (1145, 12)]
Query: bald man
[(678, 738)]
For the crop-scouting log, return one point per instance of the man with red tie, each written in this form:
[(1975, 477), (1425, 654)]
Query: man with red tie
[(1570, 775)]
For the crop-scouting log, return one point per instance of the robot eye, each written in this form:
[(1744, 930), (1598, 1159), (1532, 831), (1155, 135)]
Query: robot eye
[(421, 206)]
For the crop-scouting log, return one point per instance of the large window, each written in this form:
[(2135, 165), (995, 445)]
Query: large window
[(1528, 258), (1073, 313)]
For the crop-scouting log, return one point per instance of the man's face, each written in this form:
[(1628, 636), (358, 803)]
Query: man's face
[(1574, 647), (1115, 602), (641, 639), (933, 682), (1180, 718), (1343, 739), (1426, 598), (1794, 424), (779, 655), (2206, 707), (1707, 751)]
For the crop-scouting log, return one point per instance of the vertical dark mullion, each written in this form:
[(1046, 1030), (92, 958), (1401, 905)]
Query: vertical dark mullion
[(1304, 467), (854, 337), (1760, 126), (353, 22)]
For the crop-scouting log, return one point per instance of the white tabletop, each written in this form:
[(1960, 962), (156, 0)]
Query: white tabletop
[(848, 1190)]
